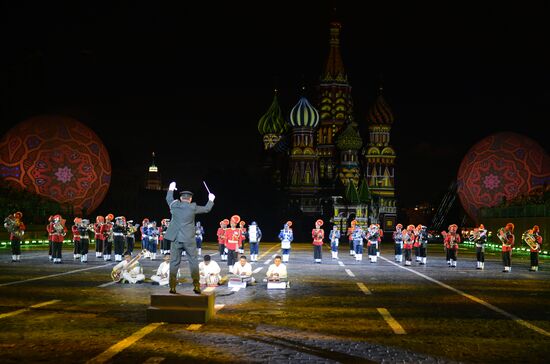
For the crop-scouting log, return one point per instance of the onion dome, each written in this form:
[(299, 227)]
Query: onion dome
[(380, 112), (304, 115), (272, 122), (349, 139)]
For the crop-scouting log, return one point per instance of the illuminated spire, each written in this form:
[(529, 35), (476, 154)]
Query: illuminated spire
[(334, 69), (153, 167)]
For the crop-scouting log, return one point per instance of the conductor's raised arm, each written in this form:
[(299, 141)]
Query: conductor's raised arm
[(206, 208), (170, 193)]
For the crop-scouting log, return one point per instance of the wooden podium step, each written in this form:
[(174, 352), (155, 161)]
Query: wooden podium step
[(181, 308)]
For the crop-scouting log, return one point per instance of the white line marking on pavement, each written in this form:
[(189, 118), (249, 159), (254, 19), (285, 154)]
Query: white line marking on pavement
[(257, 269), (397, 329), (350, 273), (38, 305), (268, 261), (107, 284), (123, 344), (364, 288), (235, 289), (194, 327), (53, 275), (475, 299), (341, 263), (154, 360)]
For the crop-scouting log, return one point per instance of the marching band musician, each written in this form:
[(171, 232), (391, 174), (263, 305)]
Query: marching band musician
[(373, 237), (357, 236), (408, 241), (50, 241), (131, 273), (451, 241), (286, 236), (318, 235), (107, 232), (232, 240), (153, 233), (334, 237), (243, 236), (163, 271), (58, 230), (15, 226), (209, 272), (380, 236), (130, 235), (199, 234), (480, 238), (423, 244), (508, 240), (416, 244), (398, 239), (221, 238), (535, 249), (243, 269), (84, 230), (99, 221), (76, 238), (144, 235), (164, 243), (254, 237), (119, 232), (350, 238)]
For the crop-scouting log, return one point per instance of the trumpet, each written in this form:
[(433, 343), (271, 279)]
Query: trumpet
[(529, 238)]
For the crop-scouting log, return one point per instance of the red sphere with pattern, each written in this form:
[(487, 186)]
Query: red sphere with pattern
[(501, 166), (59, 158)]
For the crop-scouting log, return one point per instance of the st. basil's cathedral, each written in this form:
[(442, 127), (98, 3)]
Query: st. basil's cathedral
[(319, 155)]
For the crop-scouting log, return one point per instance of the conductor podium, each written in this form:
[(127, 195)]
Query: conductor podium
[(181, 308)]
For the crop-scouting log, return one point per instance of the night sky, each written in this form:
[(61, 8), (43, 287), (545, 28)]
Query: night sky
[(201, 76)]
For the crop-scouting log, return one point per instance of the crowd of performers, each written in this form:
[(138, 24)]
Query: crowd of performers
[(118, 234)]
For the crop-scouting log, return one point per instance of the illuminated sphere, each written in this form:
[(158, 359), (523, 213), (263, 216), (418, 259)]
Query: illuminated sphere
[(501, 166), (59, 158)]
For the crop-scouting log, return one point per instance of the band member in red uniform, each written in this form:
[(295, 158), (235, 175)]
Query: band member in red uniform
[(50, 242), (506, 235), (106, 231), (99, 221), (416, 245), (408, 241), (58, 230), (452, 239), (232, 238), (243, 236), (318, 235), (76, 238), (15, 226), (535, 249), (221, 238), (398, 239)]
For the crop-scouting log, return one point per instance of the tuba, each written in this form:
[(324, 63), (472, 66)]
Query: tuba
[(529, 238), (12, 225), (116, 274)]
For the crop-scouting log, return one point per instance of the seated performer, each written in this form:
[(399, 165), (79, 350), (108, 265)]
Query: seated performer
[(243, 269), (209, 272), (163, 271), (277, 271), (131, 271)]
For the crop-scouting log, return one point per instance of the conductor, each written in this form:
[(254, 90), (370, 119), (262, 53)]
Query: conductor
[(181, 232)]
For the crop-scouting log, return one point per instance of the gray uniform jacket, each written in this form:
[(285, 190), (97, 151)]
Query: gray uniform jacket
[(182, 223)]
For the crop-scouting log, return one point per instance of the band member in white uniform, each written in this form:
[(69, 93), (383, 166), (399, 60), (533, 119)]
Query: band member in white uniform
[(131, 274), (357, 235), (163, 272), (243, 269), (286, 237), (277, 270), (334, 237), (373, 237), (254, 237), (209, 271), (398, 239)]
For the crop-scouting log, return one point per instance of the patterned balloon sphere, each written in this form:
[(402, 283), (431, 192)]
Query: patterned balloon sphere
[(59, 158), (501, 166)]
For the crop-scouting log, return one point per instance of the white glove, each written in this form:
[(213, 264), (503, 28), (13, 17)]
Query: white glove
[(172, 186), (211, 197)]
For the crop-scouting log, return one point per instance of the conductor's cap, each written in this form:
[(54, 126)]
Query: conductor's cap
[(186, 194)]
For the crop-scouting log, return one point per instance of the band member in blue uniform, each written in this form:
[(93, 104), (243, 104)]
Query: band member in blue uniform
[(286, 236)]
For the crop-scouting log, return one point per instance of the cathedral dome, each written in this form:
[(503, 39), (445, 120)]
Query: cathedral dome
[(304, 115), (350, 138), (272, 121), (380, 112)]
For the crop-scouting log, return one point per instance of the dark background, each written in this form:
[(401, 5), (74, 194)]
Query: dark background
[(201, 76)]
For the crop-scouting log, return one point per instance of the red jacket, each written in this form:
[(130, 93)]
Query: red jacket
[(507, 247), (317, 235), (76, 233), (221, 235), (232, 238), (56, 237), (454, 244), (97, 230)]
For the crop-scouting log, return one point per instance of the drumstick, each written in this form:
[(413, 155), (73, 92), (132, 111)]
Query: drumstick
[(206, 186)]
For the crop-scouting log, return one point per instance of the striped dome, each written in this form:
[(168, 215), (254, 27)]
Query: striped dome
[(380, 112), (272, 122), (304, 115)]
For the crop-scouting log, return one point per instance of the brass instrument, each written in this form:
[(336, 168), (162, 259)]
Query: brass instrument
[(529, 238), (12, 225), (116, 274), (501, 234)]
